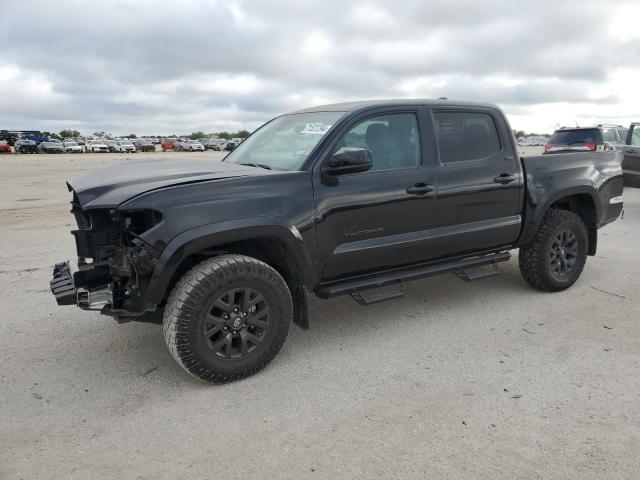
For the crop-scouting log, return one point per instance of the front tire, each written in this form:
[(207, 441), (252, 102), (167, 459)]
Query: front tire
[(227, 318), (555, 258)]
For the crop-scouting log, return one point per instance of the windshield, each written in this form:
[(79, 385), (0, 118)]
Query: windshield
[(285, 142)]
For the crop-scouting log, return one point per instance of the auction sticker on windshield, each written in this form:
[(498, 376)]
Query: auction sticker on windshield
[(316, 128)]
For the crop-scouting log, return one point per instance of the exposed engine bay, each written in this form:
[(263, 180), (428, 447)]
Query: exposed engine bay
[(114, 263)]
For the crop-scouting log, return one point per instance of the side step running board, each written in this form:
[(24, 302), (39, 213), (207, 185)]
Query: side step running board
[(356, 286), (369, 297), (471, 276)]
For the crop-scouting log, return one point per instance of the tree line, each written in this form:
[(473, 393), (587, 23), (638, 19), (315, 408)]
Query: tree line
[(68, 133)]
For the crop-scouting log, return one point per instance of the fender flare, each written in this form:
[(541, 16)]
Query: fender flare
[(536, 208), (212, 235)]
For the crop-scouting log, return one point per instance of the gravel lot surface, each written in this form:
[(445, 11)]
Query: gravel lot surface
[(484, 380)]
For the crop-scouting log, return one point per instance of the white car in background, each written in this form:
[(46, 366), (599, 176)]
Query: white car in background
[(71, 147), (192, 146), (125, 146), (96, 146)]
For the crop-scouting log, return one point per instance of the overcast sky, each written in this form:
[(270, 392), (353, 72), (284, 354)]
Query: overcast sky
[(153, 67)]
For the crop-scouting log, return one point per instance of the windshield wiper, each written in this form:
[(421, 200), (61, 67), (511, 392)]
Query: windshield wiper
[(261, 165)]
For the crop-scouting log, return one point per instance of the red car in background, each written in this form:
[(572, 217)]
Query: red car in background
[(169, 144), (5, 147)]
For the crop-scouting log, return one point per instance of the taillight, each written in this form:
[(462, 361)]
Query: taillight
[(590, 146), (548, 147)]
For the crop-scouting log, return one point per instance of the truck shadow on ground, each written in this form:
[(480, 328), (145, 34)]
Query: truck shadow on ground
[(342, 316), (140, 348)]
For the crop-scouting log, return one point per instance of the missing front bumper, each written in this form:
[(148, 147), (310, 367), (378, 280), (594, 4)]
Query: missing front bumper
[(62, 285), (66, 293)]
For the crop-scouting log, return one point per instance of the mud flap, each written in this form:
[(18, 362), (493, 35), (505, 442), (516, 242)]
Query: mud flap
[(301, 307)]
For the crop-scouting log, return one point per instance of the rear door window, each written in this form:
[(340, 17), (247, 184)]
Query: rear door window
[(464, 136)]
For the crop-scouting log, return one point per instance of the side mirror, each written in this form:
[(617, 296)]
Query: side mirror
[(349, 160)]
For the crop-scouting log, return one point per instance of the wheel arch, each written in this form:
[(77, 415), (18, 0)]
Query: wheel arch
[(582, 200), (272, 241)]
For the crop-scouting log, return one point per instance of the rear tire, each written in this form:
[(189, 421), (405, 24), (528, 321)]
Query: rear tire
[(555, 258), (227, 318)]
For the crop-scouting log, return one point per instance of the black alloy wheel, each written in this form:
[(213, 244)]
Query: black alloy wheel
[(236, 322), (563, 253), (227, 317)]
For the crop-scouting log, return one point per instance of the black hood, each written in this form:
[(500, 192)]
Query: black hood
[(108, 187)]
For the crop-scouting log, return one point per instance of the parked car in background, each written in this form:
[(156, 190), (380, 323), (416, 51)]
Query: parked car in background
[(71, 147), (5, 147), (583, 139), (50, 147), (96, 146), (126, 146), (208, 143), (192, 146), (169, 144), (9, 136), (144, 145), (220, 144), (614, 135), (631, 160), (112, 145), (233, 143), (36, 137), (25, 146)]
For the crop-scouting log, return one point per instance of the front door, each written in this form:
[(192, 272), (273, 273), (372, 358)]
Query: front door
[(369, 221)]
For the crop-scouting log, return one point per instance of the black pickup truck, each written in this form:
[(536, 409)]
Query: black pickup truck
[(332, 200)]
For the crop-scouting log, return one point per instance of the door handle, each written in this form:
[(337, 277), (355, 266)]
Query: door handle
[(420, 189), (504, 178)]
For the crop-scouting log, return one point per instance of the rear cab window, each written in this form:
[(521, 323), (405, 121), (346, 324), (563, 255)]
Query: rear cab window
[(465, 136)]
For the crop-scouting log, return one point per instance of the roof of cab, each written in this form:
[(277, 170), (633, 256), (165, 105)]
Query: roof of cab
[(366, 104)]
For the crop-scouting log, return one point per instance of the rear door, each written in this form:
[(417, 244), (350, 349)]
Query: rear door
[(631, 161), (480, 181)]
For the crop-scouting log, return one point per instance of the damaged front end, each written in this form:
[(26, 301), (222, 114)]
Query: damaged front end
[(114, 262)]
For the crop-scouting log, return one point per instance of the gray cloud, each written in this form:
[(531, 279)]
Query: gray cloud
[(160, 68)]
